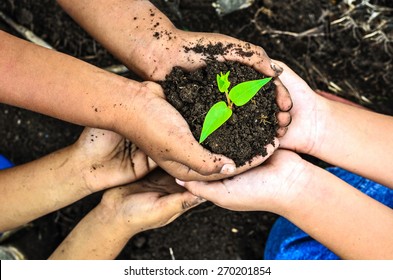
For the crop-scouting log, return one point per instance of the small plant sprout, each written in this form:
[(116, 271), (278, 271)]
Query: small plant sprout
[(239, 95)]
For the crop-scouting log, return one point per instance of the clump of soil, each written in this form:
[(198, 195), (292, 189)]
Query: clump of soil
[(251, 127)]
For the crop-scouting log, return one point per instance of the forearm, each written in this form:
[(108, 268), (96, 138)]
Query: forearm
[(357, 140), (37, 188), (97, 236), (58, 85), (348, 222), (129, 29)]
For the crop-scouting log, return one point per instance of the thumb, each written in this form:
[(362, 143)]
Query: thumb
[(208, 190), (227, 168), (179, 203), (196, 158)]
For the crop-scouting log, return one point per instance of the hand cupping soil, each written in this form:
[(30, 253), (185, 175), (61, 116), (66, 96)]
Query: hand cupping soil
[(250, 128)]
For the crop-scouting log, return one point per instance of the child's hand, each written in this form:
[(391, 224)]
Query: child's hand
[(309, 115), (109, 160), (269, 187), (150, 203), (123, 212)]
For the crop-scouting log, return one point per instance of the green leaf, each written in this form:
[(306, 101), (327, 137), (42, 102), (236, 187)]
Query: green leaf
[(218, 114), (243, 92), (223, 82)]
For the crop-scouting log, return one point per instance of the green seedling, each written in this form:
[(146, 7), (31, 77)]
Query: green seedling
[(239, 95)]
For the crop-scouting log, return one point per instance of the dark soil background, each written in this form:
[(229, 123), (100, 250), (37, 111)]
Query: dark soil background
[(344, 47)]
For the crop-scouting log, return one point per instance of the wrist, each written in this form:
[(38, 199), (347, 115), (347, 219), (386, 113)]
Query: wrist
[(96, 236), (122, 108), (316, 128), (83, 169), (325, 120), (163, 47), (315, 189), (109, 214), (298, 183)]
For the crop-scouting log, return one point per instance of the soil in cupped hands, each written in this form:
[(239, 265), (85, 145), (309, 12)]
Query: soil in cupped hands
[(251, 127)]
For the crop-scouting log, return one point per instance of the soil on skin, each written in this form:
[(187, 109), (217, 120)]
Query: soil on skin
[(251, 126), (344, 47)]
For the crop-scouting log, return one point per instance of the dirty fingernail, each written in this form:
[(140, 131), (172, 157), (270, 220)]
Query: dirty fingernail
[(276, 68), (228, 169), (200, 199)]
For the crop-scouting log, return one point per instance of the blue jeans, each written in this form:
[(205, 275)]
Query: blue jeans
[(287, 242), (4, 163)]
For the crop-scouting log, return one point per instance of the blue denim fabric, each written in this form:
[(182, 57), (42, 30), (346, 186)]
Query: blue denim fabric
[(287, 242), (5, 163)]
